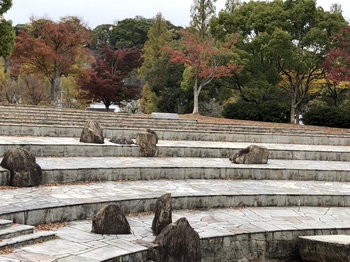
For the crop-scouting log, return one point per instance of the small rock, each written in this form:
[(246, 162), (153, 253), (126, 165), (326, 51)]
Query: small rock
[(121, 140)]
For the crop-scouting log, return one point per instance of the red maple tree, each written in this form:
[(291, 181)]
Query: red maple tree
[(207, 60), (51, 49), (108, 80), (337, 63)]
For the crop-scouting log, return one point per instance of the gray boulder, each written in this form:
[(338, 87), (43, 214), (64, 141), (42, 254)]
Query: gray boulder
[(24, 171), (92, 133), (121, 140), (110, 220), (178, 242), (163, 214), (251, 155)]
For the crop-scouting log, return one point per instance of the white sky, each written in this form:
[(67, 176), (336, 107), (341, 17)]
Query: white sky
[(94, 12)]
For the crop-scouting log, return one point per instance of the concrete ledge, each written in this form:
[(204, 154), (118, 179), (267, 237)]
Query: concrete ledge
[(335, 248), (164, 115)]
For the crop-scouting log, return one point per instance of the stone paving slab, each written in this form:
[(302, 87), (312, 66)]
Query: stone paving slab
[(76, 242)]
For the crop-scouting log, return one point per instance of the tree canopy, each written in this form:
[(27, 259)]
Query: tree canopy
[(52, 49), (281, 44), (204, 59), (109, 79)]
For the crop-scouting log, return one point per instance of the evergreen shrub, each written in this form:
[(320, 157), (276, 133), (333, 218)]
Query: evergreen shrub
[(327, 116), (270, 111)]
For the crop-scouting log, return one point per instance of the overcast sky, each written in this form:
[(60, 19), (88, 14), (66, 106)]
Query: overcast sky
[(94, 12)]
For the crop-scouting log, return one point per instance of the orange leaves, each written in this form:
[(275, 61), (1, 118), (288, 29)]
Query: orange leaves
[(202, 54), (49, 46)]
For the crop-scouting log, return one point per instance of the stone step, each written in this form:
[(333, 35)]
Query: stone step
[(80, 169), (189, 135), (5, 223), (27, 239), (48, 204), (16, 230), (71, 147)]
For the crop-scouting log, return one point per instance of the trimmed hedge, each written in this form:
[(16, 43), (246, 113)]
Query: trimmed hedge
[(266, 112), (327, 116)]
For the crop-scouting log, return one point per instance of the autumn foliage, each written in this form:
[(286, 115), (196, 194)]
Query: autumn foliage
[(207, 60), (337, 62), (109, 79), (51, 49)]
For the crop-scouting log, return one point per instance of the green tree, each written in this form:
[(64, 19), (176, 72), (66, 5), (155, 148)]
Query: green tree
[(201, 12), (101, 36), (7, 32), (310, 30), (130, 32), (281, 44), (153, 54), (161, 78)]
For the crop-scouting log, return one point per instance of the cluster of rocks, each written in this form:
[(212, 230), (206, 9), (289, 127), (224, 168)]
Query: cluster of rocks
[(174, 241), (147, 140)]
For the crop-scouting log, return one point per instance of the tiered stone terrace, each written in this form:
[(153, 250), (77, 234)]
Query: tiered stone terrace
[(241, 212)]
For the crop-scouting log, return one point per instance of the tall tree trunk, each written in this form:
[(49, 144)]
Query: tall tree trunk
[(195, 97), (292, 114)]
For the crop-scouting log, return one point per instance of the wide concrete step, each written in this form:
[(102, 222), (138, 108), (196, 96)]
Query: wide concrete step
[(27, 239), (188, 135), (70, 147), (236, 234), (80, 169), (47, 204)]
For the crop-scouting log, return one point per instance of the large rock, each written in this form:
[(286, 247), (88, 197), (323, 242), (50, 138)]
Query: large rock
[(163, 214), (178, 242), (251, 155), (110, 220), (24, 171), (147, 141), (121, 140), (92, 133)]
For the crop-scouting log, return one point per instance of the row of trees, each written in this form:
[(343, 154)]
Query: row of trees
[(290, 52)]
